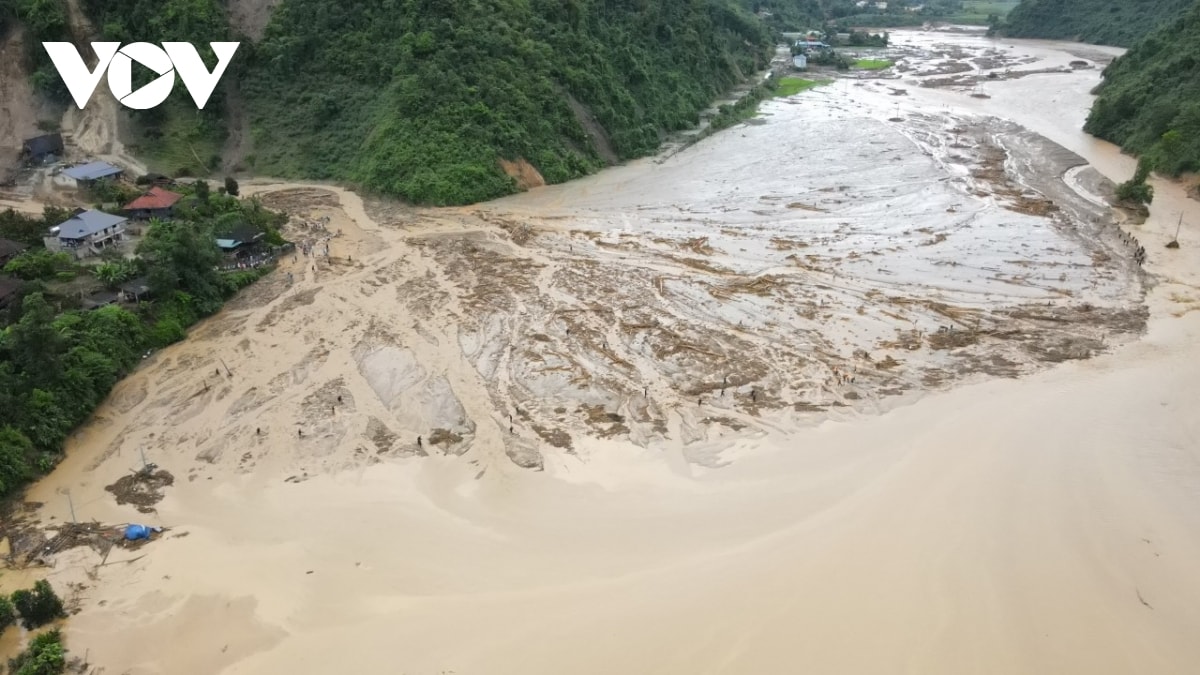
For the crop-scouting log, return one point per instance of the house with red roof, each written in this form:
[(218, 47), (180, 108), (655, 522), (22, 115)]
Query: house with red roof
[(155, 203)]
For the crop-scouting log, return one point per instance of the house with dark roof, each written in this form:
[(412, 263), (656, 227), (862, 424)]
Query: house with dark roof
[(42, 149), (9, 290), (238, 237), (86, 175), (136, 290), (86, 233), (155, 203), (10, 249)]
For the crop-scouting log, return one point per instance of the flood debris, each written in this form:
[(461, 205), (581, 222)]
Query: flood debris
[(32, 545), (142, 488)]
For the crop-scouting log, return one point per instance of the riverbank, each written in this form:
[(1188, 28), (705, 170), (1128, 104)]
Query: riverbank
[(805, 264)]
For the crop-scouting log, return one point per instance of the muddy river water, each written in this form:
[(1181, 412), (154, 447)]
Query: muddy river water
[(868, 384)]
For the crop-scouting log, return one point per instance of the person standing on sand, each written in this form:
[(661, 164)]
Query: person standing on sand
[(419, 442)]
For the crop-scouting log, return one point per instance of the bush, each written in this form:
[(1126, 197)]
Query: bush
[(39, 606), (8, 613), (166, 332), (45, 656), (1138, 193)]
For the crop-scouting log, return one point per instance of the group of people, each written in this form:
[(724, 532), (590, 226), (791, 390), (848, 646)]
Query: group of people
[(250, 262), (1139, 252)]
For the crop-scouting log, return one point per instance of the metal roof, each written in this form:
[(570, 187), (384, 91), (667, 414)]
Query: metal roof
[(156, 198), (87, 223), (92, 171), (44, 145)]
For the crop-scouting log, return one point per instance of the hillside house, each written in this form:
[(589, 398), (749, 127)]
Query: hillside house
[(9, 290), (239, 237), (86, 175), (43, 149), (86, 233), (10, 249), (155, 203), (136, 290)]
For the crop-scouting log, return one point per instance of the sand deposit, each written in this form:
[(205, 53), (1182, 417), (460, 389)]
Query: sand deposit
[(873, 386)]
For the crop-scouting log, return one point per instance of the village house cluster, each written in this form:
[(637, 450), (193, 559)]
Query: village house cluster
[(90, 232)]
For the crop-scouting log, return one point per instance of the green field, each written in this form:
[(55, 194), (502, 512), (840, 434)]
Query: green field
[(978, 11), (789, 86), (872, 64)]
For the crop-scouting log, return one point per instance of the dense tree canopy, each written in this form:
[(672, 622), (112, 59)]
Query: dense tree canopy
[(57, 364), (421, 98), (1110, 22), (1149, 102)]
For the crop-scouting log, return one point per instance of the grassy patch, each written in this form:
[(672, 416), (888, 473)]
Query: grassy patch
[(985, 7), (182, 140), (790, 86), (872, 64)]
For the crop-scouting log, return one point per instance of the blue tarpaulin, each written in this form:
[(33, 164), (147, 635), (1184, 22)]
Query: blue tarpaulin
[(134, 532)]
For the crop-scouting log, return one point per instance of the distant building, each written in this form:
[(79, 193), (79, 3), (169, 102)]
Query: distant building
[(86, 233), (810, 45), (155, 203), (10, 249), (881, 5), (800, 61), (42, 149), (86, 175)]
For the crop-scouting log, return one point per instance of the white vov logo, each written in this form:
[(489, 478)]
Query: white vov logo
[(171, 58)]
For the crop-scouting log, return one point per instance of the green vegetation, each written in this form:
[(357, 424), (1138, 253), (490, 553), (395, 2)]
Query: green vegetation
[(1149, 102), (38, 606), (862, 38), (44, 21), (872, 64), (1110, 22), (746, 107), (57, 362), (40, 264), (44, 656), (174, 136), (790, 86), (847, 13), (421, 98), (8, 613), (787, 15)]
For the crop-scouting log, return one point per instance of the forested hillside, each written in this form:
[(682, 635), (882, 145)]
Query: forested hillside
[(788, 15), (1149, 102), (1109, 22), (421, 98)]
